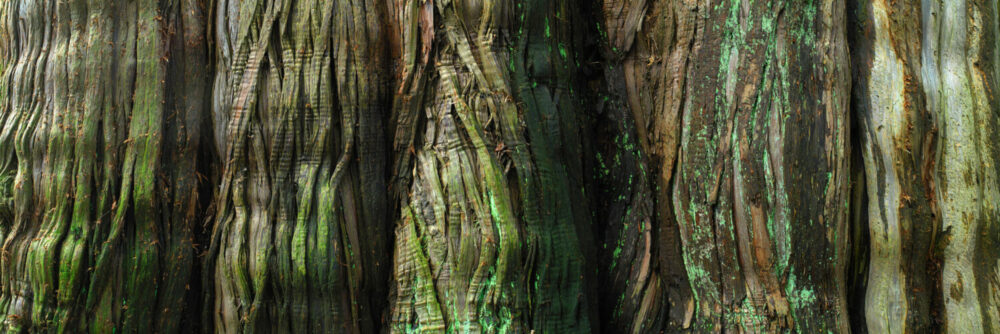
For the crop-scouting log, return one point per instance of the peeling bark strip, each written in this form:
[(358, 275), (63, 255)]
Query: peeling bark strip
[(299, 238), (927, 106), (760, 191), (488, 239), (101, 103)]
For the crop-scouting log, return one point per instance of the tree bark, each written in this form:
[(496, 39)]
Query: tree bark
[(101, 144), (547, 166), (299, 240), (644, 58), (491, 236), (741, 109), (926, 75), (763, 167)]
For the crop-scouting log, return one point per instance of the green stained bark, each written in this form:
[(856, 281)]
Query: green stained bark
[(299, 236), (763, 167), (489, 238), (101, 139), (499, 166), (742, 114)]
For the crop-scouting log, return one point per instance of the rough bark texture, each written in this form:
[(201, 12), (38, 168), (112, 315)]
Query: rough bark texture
[(299, 240), (763, 166), (102, 111), (489, 237), (645, 57), (496, 166), (741, 108)]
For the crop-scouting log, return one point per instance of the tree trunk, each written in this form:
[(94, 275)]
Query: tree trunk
[(925, 98), (299, 239), (491, 236), (741, 109), (102, 108), (644, 68), (547, 166)]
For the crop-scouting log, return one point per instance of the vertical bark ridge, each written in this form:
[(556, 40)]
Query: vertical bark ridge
[(762, 167), (898, 145), (960, 81), (299, 234), (926, 73), (489, 239), (92, 132)]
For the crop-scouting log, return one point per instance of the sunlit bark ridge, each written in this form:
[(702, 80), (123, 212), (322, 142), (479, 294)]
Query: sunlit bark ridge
[(926, 78)]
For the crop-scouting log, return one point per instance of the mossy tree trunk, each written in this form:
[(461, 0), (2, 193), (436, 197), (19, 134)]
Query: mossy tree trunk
[(491, 235), (299, 240), (103, 107), (547, 166)]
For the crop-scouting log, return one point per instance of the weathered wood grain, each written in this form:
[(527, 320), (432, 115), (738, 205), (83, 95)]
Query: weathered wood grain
[(926, 76)]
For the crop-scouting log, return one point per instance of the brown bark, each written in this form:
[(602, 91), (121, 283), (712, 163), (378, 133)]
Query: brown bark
[(741, 109)]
